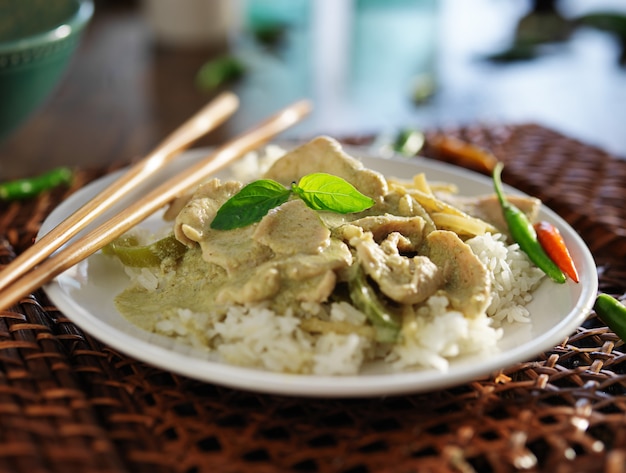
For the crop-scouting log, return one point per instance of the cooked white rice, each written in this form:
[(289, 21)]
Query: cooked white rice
[(513, 278), (255, 336)]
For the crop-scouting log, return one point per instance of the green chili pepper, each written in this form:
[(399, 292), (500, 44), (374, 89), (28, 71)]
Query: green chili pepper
[(218, 72), (363, 296), (409, 142), (613, 313), (33, 186), (132, 254), (523, 233)]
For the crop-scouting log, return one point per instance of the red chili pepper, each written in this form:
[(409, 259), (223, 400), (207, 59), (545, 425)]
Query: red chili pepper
[(552, 242)]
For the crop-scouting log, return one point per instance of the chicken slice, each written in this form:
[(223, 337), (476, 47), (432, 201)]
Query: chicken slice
[(325, 154), (380, 226), (234, 250), (292, 228), (466, 278), (260, 285), (407, 280), (309, 278), (194, 219), (231, 249)]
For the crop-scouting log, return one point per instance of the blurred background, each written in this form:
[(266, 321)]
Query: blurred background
[(371, 67)]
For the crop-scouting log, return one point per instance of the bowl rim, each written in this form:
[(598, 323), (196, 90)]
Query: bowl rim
[(70, 27)]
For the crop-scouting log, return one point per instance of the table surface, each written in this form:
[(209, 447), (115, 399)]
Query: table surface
[(124, 92), (70, 403)]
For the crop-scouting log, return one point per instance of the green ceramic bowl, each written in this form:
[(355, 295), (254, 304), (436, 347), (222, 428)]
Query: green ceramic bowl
[(37, 40)]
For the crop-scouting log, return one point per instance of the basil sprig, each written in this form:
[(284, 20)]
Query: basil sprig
[(319, 191)]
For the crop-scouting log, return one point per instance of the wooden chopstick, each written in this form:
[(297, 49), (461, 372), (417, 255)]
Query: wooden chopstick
[(176, 186), (205, 120)]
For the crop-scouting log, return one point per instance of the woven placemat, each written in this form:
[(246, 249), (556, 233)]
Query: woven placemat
[(69, 403)]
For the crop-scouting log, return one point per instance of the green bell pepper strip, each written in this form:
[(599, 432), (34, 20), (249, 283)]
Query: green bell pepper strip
[(130, 253), (523, 233), (33, 186), (613, 313), (386, 324)]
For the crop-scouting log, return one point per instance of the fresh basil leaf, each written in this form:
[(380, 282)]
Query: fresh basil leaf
[(321, 191), (250, 204)]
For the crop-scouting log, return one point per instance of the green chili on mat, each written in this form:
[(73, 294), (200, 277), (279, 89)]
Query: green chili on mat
[(32, 186), (218, 72), (523, 233), (613, 313)]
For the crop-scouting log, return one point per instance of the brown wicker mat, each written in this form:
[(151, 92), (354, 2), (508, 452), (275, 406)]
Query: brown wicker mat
[(69, 403)]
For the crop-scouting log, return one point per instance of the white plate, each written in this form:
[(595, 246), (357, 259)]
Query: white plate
[(85, 294)]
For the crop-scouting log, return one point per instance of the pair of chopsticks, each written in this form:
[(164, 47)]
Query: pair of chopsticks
[(23, 276)]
